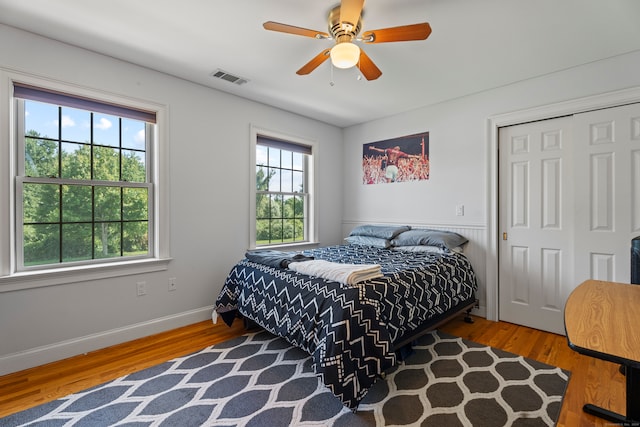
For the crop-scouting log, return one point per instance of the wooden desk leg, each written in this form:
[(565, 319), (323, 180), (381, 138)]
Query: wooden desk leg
[(633, 394), (633, 403)]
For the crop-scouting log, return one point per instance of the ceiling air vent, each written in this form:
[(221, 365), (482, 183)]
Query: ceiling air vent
[(223, 75)]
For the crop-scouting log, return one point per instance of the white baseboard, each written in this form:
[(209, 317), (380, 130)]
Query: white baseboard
[(61, 350)]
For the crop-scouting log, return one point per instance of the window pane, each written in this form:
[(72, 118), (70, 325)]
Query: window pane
[(276, 230), (107, 203), (298, 182), (76, 161), (263, 176), (299, 229), (286, 157), (134, 204), (287, 181), (41, 203), (134, 134), (262, 231), (261, 155), (275, 208), (106, 130), (133, 166), (288, 230), (41, 244), (41, 119), (106, 164), (76, 242), (299, 206), (40, 157), (76, 204), (274, 157), (75, 125), (274, 180), (288, 211), (262, 206), (135, 238), (298, 161), (107, 240)]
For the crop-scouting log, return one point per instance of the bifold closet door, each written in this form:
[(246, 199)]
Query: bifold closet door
[(570, 206)]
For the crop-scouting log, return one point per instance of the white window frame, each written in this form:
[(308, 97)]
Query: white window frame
[(10, 278), (311, 216)]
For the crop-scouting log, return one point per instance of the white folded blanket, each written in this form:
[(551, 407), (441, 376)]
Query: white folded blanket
[(343, 273)]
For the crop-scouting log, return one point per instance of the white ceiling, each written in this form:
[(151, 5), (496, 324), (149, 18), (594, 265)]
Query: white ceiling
[(475, 45)]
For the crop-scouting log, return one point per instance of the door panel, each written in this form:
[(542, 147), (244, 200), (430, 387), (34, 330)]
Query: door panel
[(535, 178), (607, 143)]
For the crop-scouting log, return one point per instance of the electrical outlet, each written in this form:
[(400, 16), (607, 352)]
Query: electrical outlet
[(172, 284), (460, 210), (142, 288)]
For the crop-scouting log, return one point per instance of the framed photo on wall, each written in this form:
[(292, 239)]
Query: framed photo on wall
[(396, 160)]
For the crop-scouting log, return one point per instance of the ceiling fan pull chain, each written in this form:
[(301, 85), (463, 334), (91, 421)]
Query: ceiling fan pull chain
[(331, 83)]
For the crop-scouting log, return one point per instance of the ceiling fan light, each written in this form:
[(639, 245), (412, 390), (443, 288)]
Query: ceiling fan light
[(345, 55)]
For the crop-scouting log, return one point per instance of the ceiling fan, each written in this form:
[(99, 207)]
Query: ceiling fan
[(345, 23)]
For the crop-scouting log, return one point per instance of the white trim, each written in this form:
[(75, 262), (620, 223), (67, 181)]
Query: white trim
[(566, 108), (84, 273), (10, 280), (61, 350)]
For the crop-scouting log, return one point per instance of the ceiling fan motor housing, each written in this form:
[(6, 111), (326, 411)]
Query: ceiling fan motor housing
[(342, 31)]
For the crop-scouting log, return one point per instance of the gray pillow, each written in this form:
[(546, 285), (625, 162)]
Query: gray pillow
[(368, 241), (426, 237), (379, 231), (421, 248)]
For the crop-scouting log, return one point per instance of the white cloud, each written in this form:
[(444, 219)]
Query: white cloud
[(104, 124), (140, 136), (67, 122)]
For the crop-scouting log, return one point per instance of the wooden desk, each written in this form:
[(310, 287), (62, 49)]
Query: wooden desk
[(602, 320)]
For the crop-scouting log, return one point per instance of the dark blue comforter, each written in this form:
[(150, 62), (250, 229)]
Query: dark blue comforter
[(349, 329)]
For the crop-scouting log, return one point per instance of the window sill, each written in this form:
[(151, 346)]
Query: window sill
[(60, 276)]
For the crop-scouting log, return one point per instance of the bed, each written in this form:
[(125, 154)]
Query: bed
[(353, 331)]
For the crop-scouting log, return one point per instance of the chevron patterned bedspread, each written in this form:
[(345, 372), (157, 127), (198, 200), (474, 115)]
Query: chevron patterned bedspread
[(349, 329)]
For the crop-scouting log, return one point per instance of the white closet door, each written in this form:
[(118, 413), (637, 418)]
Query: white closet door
[(536, 199), (607, 150)]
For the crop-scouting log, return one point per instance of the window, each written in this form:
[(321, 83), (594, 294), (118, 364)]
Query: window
[(283, 191), (84, 190)]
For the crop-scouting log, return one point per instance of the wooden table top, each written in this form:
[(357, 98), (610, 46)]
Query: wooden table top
[(604, 317)]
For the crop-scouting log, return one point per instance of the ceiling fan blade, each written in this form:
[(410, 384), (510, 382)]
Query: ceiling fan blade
[(290, 29), (368, 69), (398, 34), (350, 11), (314, 63)]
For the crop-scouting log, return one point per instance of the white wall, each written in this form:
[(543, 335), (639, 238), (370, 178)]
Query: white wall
[(209, 198), (461, 162)]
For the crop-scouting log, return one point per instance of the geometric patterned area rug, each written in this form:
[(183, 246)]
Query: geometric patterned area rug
[(260, 380)]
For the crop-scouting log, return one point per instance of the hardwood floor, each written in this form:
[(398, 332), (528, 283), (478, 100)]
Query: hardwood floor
[(592, 380)]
